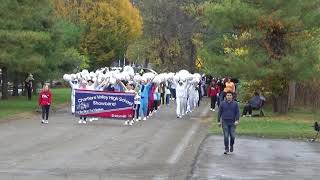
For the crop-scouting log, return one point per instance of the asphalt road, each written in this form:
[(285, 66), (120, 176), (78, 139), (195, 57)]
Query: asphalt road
[(256, 159), (163, 147)]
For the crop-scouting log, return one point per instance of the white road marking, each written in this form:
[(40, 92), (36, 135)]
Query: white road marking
[(183, 144)]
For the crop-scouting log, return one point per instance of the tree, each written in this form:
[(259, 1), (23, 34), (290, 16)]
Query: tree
[(34, 40), (19, 36), (110, 26), (273, 41), (170, 28)]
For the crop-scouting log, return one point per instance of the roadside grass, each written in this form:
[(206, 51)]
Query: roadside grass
[(294, 125), (20, 104)]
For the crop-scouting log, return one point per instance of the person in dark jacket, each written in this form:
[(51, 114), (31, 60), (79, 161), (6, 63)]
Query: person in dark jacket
[(45, 99), (254, 103), (29, 86), (229, 114)]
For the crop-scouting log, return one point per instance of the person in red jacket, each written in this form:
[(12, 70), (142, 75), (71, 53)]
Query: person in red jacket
[(45, 99), (213, 91)]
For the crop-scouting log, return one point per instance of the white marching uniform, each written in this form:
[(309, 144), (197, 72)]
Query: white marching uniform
[(73, 86), (192, 98), (181, 96)]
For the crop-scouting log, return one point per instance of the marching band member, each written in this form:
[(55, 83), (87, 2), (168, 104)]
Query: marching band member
[(180, 96), (144, 89)]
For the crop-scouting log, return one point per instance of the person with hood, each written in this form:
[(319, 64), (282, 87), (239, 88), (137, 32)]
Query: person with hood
[(45, 100)]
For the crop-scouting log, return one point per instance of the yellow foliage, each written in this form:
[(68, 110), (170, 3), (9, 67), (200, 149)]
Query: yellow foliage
[(110, 25), (233, 44)]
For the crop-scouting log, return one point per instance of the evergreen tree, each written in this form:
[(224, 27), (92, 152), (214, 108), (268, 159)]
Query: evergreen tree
[(33, 40), (275, 41)]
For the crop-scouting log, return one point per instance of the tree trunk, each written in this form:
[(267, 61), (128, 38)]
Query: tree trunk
[(192, 57), (291, 94), (34, 86), (23, 93), (280, 104), (15, 90), (146, 62), (4, 87)]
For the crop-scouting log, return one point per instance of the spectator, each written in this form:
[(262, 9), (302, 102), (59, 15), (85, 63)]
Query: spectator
[(45, 99), (254, 103), (29, 86), (213, 92)]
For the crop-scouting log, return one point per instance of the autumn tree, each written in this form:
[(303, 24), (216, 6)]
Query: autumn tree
[(110, 26), (170, 29), (272, 41)]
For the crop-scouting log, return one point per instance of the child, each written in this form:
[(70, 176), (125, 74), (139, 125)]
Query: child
[(137, 99), (129, 89), (83, 86), (168, 95), (45, 99)]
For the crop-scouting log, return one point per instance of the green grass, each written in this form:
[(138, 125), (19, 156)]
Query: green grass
[(296, 125), (20, 104)]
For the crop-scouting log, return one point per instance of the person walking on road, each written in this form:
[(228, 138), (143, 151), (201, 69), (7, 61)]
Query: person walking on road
[(229, 115), (45, 99), (213, 92)]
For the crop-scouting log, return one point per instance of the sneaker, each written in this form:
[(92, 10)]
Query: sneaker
[(131, 123), (80, 121), (155, 111), (243, 115), (180, 116), (126, 123), (231, 148), (249, 115), (213, 110), (144, 118), (226, 150), (91, 119), (148, 117), (42, 121), (84, 122), (46, 121)]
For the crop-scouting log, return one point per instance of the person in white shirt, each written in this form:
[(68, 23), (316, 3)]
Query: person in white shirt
[(74, 84), (192, 97), (180, 98), (92, 86), (129, 89), (168, 95)]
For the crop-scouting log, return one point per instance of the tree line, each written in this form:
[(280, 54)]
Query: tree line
[(51, 37), (273, 43)]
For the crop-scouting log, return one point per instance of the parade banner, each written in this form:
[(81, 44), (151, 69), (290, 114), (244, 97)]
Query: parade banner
[(104, 104)]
